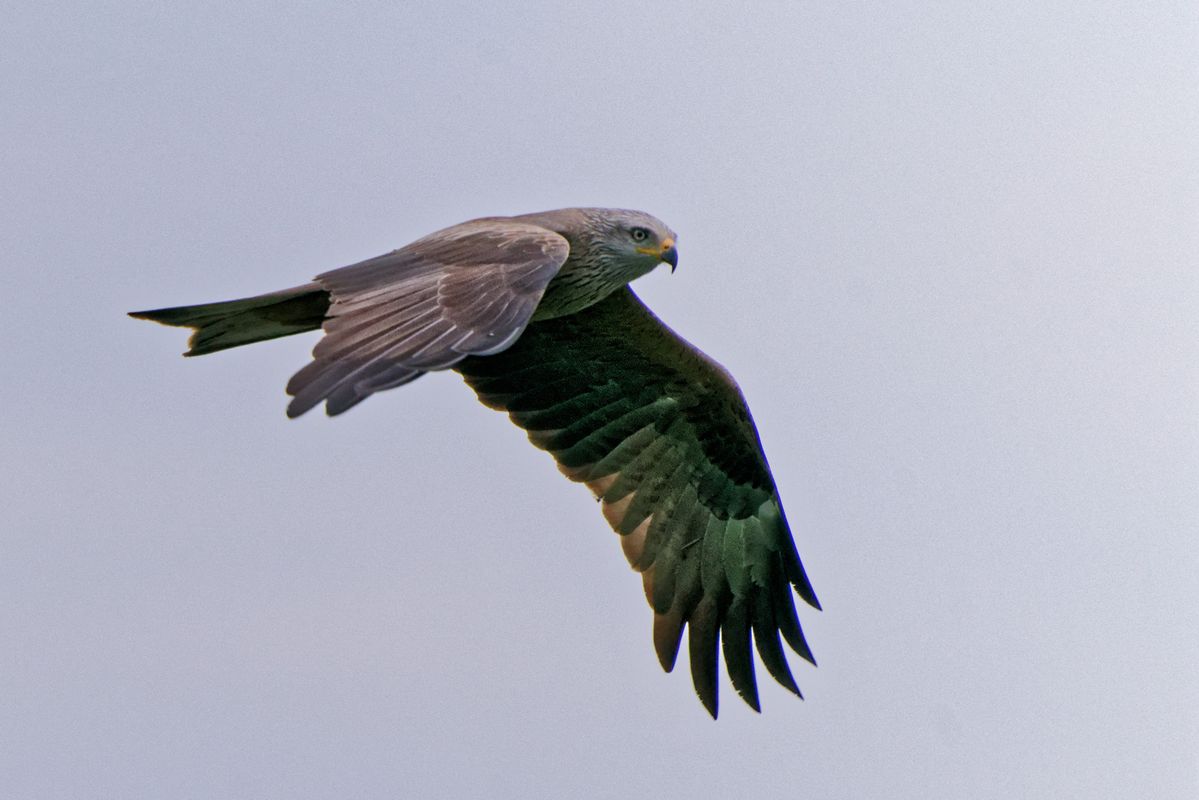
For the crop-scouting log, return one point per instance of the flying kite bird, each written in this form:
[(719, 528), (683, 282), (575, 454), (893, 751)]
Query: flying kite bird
[(536, 314)]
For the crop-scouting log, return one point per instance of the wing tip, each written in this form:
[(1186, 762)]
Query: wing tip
[(703, 633), (300, 405), (668, 635)]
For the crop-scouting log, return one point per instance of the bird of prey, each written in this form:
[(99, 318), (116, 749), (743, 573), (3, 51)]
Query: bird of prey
[(536, 314)]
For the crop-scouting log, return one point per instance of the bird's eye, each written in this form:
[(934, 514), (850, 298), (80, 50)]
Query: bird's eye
[(639, 234)]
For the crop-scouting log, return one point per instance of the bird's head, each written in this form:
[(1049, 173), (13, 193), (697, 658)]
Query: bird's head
[(639, 238)]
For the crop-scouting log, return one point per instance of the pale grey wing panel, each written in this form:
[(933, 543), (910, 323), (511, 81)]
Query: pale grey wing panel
[(466, 290)]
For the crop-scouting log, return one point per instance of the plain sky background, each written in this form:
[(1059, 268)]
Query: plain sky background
[(950, 250)]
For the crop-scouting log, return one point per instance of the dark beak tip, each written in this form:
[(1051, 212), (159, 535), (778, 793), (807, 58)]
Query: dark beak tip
[(671, 257)]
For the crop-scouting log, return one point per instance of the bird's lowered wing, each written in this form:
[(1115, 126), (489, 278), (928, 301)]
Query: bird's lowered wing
[(469, 289), (662, 435)]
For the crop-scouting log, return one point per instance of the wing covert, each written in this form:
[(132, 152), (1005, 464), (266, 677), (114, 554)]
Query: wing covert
[(469, 289)]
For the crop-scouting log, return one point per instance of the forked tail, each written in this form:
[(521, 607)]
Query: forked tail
[(232, 323)]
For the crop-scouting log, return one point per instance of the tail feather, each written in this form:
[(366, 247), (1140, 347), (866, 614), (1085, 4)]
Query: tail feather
[(219, 326)]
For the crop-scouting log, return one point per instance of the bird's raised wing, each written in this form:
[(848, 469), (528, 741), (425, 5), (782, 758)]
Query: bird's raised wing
[(662, 435), (469, 289)]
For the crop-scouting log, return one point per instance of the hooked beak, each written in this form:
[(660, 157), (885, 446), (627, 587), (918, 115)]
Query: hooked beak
[(669, 254)]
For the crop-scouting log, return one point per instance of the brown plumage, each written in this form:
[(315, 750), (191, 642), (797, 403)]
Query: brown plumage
[(535, 313)]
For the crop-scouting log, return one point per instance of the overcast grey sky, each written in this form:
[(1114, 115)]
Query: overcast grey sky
[(948, 249)]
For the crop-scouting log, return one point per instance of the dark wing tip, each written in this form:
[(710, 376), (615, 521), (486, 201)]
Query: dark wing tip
[(787, 621), (668, 635), (738, 653), (299, 406), (798, 578), (770, 649), (702, 645)]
